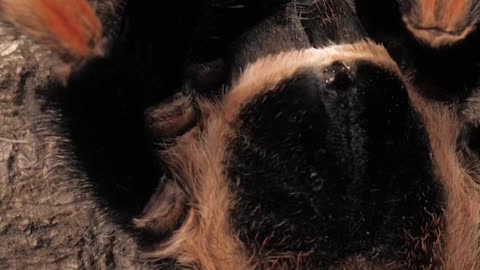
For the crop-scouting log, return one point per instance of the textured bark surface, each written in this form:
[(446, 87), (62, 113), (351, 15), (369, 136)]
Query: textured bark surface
[(48, 217)]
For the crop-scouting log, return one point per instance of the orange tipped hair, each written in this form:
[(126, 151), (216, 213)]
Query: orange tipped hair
[(454, 11), (69, 26), (440, 22), (428, 11)]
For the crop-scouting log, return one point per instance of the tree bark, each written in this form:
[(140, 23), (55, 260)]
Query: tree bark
[(48, 217)]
